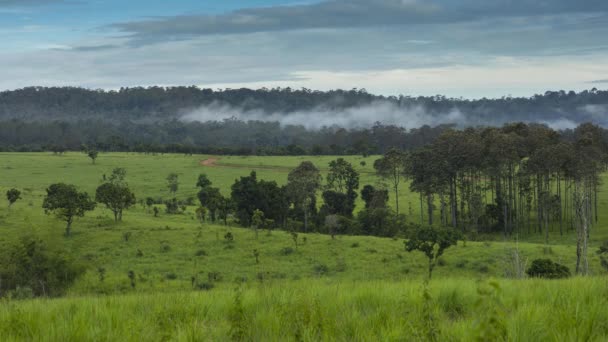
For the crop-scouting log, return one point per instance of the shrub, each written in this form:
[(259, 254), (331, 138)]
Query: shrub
[(214, 276), (171, 276), (287, 251), (126, 236), (201, 252), (354, 245), (229, 237), (32, 263), (21, 293), (546, 268), (165, 247), (206, 286), (321, 269)]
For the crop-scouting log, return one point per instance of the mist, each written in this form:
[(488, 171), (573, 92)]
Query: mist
[(385, 112), (355, 117)]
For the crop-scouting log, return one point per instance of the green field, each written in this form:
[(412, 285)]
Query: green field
[(350, 288)]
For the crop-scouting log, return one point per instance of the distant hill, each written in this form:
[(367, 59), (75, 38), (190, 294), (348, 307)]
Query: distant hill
[(559, 109)]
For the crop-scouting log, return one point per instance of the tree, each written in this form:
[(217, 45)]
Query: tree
[(432, 242), (391, 168), (303, 182), (172, 183), (374, 198), (116, 197), (332, 223), (67, 203), (115, 193), (13, 195), (210, 197), (343, 178), (149, 203), (257, 220), (93, 153), (201, 214)]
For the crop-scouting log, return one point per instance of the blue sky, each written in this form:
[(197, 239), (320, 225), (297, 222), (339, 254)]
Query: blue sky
[(469, 48)]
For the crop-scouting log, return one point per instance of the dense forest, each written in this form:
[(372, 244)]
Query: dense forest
[(153, 119)]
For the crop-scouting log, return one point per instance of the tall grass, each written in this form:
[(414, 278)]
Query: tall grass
[(315, 310)]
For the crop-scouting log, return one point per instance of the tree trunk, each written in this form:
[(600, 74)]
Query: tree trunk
[(397, 199), (429, 203), (305, 218), (68, 228)]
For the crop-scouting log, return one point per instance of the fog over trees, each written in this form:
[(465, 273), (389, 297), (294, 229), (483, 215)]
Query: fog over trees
[(279, 121)]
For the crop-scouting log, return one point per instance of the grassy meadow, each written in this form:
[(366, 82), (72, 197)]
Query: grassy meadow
[(351, 288)]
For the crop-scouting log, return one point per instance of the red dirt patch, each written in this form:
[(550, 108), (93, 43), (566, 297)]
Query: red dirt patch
[(209, 162)]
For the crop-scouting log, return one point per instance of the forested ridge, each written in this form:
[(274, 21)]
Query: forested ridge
[(165, 103), (151, 119)]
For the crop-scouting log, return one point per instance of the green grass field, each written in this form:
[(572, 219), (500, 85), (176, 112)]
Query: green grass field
[(350, 288)]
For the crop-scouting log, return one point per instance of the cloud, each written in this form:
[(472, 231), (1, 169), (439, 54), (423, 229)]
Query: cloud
[(599, 81), (342, 14)]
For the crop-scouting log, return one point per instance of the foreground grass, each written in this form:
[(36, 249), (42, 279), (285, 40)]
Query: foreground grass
[(315, 310)]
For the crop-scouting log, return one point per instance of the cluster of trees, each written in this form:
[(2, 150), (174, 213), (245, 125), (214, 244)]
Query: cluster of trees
[(67, 203), (166, 103), (293, 206), (515, 179), (226, 137), (148, 119)]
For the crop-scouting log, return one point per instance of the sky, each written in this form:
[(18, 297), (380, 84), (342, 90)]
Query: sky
[(457, 48)]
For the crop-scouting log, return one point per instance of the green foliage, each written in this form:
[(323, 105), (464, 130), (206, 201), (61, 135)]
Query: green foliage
[(172, 183), (432, 242), (603, 253), (67, 203), (172, 206), (44, 269), (92, 153), (237, 319), (391, 167), (491, 323), (116, 196), (546, 268), (228, 237), (13, 195)]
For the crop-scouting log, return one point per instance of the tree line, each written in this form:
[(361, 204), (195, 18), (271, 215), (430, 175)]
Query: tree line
[(148, 119)]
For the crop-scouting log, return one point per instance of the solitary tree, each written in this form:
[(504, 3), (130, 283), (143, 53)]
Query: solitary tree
[(115, 193), (12, 196), (92, 153), (391, 167), (172, 183), (67, 203), (116, 197), (303, 182), (432, 242)]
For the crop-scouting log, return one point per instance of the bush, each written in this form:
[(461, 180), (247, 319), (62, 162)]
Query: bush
[(545, 268), (31, 265), (165, 247), (206, 286), (201, 252), (321, 269), (287, 251)]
